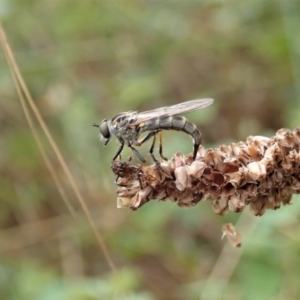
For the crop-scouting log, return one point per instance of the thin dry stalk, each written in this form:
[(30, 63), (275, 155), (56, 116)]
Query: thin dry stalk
[(261, 172)]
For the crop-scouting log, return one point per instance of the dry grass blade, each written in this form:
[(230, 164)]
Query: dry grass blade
[(22, 90)]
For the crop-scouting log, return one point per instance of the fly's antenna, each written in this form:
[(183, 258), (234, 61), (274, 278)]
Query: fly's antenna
[(95, 125)]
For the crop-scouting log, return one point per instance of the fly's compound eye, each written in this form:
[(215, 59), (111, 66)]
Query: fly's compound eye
[(104, 130)]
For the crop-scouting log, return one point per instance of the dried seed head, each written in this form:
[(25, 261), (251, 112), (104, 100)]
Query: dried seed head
[(262, 173)]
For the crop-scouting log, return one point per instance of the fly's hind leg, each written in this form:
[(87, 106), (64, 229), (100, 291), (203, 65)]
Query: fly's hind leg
[(160, 146), (151, 150)]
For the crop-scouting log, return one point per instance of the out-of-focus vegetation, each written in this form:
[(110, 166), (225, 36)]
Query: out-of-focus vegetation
[(87, 60)]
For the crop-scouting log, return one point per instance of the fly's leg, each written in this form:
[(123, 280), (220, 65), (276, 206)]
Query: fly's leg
[(130, 157), (146, 138), (139, 175), (160, 146), (119, 151), (117, 178), (137, 153), (151, 150), (115, 169)]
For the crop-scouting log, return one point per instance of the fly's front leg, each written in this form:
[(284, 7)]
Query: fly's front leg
[(160, 146), (119, 151)]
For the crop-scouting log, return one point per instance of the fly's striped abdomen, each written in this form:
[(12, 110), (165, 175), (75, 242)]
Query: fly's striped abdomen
[(173, 123)]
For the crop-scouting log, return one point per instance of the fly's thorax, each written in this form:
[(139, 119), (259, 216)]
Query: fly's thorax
[(120, 122), (120, 127)]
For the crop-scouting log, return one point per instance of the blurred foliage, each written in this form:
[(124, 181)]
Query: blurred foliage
[(88, 60)]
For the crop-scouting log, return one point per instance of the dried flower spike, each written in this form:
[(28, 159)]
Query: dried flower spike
[(262, 173)]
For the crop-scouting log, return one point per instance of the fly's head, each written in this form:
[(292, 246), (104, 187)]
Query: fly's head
[(104, 131)]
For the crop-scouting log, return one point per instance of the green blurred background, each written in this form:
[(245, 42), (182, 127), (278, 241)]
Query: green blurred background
[(88, 60)]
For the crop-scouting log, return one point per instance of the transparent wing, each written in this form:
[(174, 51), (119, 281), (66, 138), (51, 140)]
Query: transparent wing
[(177, 109)]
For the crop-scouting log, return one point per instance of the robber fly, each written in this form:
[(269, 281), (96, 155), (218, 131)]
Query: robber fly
[(128, 126)]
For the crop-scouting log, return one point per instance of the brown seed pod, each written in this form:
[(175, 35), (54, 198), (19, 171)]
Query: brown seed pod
[(232, 234)]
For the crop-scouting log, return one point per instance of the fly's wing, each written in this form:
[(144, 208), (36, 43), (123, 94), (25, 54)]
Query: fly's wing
[(177, 109)]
